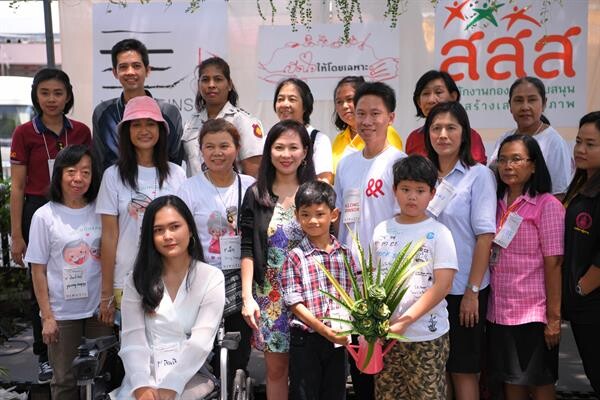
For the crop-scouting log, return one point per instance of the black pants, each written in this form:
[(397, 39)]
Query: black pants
[(317, 368), (363, 384), (586, 337), (31, 204)]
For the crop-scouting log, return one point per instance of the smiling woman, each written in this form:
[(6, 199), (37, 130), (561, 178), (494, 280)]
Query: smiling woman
[(65, 274), (141, 174)]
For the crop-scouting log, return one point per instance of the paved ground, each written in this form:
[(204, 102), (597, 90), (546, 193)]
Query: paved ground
[(22, 366)]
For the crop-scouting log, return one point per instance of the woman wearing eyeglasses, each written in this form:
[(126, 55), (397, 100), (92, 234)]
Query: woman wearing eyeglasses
[(141, 174), (34, 147), (525, 269)]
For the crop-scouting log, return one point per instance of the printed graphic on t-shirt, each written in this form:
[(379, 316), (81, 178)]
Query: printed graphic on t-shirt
[(95, 249), (76, 252), (137, 206), (218, 225)]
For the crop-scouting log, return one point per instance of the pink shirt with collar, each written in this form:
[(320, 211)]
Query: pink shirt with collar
[(518, 290)]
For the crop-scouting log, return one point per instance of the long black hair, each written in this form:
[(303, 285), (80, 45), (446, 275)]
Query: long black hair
[(266, 172), (222, 65), (127, 164), (148, 266), (67, 157), (455, 109), (540, 181), (582, 183)]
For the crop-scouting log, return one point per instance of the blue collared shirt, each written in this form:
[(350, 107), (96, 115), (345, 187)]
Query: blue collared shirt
[(471, 212)]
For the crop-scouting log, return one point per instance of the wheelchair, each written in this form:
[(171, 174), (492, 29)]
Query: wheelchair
[(93, 381)]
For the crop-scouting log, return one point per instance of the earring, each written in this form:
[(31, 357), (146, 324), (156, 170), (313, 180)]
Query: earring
[(303, 163)]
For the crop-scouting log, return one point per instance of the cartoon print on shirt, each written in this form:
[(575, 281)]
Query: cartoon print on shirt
[(137, 205), (76, 252), (217, 226), (95, 249)]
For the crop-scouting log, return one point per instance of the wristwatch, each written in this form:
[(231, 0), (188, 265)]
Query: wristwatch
[(474, 288), (578, 289)]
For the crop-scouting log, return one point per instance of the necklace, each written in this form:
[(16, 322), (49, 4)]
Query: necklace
[(229, 211), (536, 131), (375, 155)]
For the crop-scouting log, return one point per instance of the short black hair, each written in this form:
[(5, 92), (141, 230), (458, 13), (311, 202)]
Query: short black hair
[(315, 192), (67, 157), (306, 96), (222, 65), (47, 74), (428, 77), (540, 181), (355, 82), (539, 86), (127, 45), (415, 168), (379, 89)]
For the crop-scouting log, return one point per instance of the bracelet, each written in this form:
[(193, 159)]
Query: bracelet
[(109, 298)]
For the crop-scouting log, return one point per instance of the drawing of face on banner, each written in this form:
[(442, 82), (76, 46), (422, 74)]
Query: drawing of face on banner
[(486, 46), (318, 56), (176, 41)]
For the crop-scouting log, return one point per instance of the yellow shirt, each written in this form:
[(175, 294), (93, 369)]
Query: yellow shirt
[(344, 144)]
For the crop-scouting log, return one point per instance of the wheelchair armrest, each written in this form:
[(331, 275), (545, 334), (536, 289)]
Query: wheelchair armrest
[(231, 340)]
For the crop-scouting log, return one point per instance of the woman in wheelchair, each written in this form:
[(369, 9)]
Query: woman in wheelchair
[(171, 309)]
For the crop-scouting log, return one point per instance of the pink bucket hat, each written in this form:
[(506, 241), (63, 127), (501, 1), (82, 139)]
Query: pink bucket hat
[(142, 107)]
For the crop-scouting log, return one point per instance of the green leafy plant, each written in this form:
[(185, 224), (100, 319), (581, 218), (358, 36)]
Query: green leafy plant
[(374, 298)]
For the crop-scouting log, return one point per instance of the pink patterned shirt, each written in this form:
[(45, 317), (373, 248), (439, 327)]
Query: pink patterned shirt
[(518, 291)]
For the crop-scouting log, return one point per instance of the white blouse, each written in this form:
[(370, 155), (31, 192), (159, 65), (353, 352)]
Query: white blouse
[(189, 324)]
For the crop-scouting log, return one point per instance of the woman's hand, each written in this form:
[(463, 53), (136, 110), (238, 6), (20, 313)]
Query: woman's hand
[(49, 330), (469, 310), (107, 310), (146, 393), (251, 313), (552, 333), (166, 394), (18, 249)]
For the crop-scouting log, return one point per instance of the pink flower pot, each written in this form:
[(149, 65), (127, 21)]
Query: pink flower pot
[(374, 363)]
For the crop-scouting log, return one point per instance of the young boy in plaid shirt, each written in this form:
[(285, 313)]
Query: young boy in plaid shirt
[(317, 355)]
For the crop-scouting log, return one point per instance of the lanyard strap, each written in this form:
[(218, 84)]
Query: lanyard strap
[(239, 205), (46, 143), (515, 206)]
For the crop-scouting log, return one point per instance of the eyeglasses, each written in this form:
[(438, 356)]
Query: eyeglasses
[(512, 161)]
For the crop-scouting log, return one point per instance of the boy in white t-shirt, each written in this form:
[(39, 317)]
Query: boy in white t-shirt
[(415, 368)]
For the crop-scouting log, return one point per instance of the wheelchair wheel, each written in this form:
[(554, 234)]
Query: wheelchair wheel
[(249, 394), (239, 385)]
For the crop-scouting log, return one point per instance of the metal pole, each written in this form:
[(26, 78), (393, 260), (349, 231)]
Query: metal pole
[(49, 34)]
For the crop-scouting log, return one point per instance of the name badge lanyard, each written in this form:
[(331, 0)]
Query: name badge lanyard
[(513, 208), (50, 159)]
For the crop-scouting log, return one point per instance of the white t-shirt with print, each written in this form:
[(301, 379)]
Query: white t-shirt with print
[(67, 241), (209, 205), (557, 154), (373, 179), (438, 252), (322, 154), (118, 199)]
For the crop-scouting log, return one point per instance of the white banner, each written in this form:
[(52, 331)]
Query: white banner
[(318, 57), (176, 40), (487, 46)]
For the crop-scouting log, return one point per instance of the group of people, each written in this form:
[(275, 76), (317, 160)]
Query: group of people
[(116, 232)]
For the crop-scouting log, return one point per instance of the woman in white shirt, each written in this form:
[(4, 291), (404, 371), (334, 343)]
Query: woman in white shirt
[(65, 270), (527, 100), (141, 174), (294, 100), (172, 307), (216, 213)]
